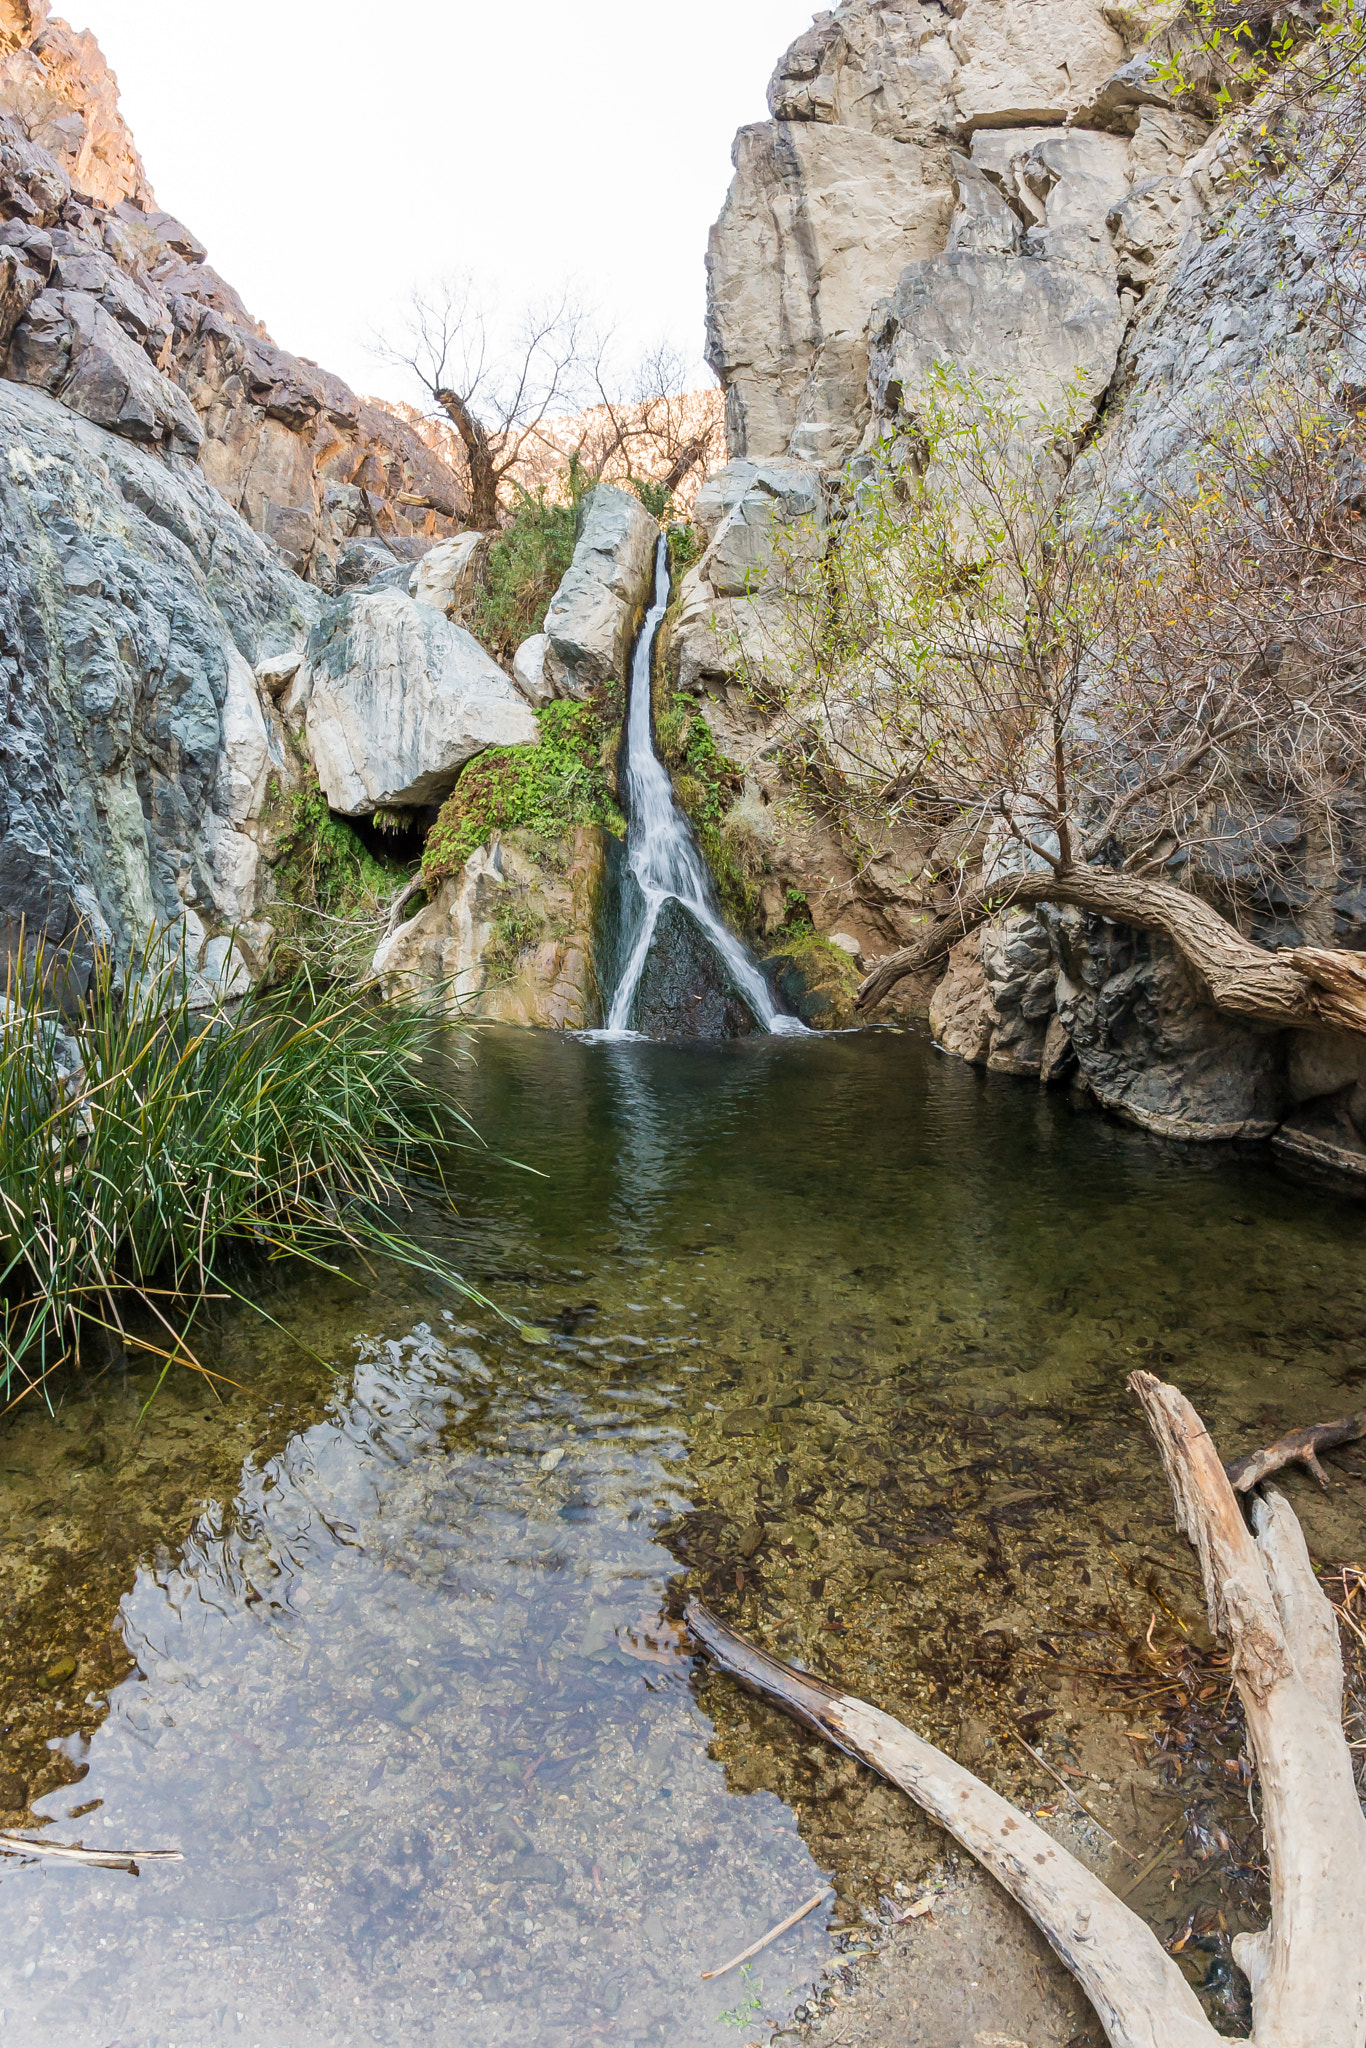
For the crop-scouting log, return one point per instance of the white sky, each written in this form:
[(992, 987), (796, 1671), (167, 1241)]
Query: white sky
[(333, 155)]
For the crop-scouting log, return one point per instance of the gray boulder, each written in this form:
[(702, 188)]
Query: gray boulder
[(398, 698), (593, 615), (136, 750), (528, 670)]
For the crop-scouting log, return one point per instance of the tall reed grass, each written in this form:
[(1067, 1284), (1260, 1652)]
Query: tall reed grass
[(149, 1152)]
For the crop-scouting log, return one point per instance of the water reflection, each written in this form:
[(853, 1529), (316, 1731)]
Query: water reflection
[(840, 1329), (410, 1711)]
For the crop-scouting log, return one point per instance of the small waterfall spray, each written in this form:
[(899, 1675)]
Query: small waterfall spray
[(662, 855)]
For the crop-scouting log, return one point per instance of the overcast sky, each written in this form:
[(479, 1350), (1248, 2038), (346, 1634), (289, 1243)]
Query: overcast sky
[(332, 155)]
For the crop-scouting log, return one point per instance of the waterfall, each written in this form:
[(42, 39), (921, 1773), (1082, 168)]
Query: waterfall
[(663, 857)]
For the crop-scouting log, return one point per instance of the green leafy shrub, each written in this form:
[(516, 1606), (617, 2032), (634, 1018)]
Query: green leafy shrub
[(325, 865), (685, 548), (525, 564), (564, 781), (148, 1150)]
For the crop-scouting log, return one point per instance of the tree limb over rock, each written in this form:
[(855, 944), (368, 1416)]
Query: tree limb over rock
[(1308, 1969), (1305, 985)]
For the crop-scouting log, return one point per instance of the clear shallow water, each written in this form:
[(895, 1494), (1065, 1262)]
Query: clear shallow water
[(833, 1330)]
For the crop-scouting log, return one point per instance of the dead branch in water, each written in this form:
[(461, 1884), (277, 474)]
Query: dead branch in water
[(1296, 1447), (100, 1859), (1308, 1968)]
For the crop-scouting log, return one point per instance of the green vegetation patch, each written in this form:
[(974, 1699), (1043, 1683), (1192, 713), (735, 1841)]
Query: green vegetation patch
[(566, 780), (149, 1152), (325, 865), (816, 980), (524, 567)]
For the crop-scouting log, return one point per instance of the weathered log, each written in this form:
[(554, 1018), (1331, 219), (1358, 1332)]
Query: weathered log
[(1308, 1969), (1296, 1447), (1139, 1993), (1306, 985)]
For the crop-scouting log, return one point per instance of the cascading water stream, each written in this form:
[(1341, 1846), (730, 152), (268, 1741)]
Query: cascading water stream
[(662, 855)]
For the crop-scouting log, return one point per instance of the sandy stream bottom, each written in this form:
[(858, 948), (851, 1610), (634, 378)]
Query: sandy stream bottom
[(834, 1334)]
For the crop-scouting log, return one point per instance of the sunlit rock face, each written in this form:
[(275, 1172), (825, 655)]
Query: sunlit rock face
[(1024, 136)]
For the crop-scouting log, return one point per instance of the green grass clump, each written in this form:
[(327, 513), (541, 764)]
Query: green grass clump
[(325, 865), (562, 782), (523, 570), (148, 1151)]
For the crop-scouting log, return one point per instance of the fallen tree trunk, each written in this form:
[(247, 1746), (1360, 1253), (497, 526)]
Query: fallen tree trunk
[(1308, 1969), (1305, 985)]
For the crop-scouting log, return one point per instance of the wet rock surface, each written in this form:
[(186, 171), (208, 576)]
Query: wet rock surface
[(684, 990)]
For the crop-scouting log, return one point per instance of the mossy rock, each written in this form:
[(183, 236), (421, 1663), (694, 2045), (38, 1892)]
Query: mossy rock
[(815, 981)]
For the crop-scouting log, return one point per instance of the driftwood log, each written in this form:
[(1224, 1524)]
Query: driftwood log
[(1304, 985), (1308, 1968), (1296, 1447)]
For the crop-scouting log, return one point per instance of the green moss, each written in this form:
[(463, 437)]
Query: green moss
[(817, 980), (324, 865), (565, 781)]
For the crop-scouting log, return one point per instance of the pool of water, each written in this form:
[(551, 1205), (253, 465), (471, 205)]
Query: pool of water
[(384, 1638)]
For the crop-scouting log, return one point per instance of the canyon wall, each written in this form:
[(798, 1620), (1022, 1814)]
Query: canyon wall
[(183, 507), (1011, 191)]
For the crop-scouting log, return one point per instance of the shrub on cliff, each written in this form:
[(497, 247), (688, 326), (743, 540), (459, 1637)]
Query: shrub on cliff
[(148, 1153), (524, 567), (564, 781)]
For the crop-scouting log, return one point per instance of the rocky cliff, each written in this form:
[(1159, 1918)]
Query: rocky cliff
[(184, 506), (111, 306), (1012, 192)]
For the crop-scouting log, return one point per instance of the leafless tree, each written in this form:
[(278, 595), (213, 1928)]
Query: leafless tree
[(498, 395)]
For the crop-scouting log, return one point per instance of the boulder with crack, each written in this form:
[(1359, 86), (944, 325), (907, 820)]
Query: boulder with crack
[(592, 618), (395, 698)]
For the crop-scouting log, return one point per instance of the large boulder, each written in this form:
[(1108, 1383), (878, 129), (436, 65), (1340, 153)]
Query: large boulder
[(139, 759), (396, 698), (684, 989), (511, 937), (592, 618)]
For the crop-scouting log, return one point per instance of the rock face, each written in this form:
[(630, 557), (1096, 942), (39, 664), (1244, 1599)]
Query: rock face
[(1009, 190), (109, 304), (592, 617), (762, 522), (954, 179), (396, 698), (139, 752), (512, 937), (683, 991)]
